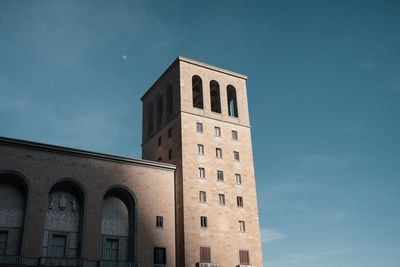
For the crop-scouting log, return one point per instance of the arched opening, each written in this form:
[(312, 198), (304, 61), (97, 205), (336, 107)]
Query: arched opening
[(232, 101), (197, 92), (215, 97), (150, 123), (118, 226), (63, 226), (170, 99), (13, 203), (159, 108)]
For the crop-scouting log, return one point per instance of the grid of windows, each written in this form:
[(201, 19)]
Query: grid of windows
[(238, 178), (57, 246), (242, 226), (221, 199), (200, 149), (239, 201), (217, 131), (202, 196), (234, 135), (203, 221), (3, 242), (111, 249), (236, 156), (159, 221), (220, 176), (218, 153), (199, 127), (160, 256), (202, 173)]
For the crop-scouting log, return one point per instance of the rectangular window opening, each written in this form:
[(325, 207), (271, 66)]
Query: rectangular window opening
[(220, 176), (236, 156), (234, 135), (218, 153), (202, 196), (200, 149), (221, 198), (202, 173), (238, 178), (242, 226), (159, 221), (205, 254), (160, 256), (203, 222), (239, 201), (199, 127), (217, 131)]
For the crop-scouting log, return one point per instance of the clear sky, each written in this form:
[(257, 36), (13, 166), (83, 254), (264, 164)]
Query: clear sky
[(323, 89)]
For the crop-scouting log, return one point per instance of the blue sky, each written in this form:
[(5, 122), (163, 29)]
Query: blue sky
[(323, 89)]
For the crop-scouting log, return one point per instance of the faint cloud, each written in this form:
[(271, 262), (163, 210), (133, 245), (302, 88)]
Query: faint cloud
[(367, 66), (269, 234), (124, 57)]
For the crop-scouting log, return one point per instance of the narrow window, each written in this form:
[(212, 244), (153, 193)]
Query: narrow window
[(199, 127), (220, 176), (159, 221), (159, 141), (202, 196), (170, 99), (150, 119), (238, 178), (203, 221), (239, 201), (215, 97), (111, 249), (170, 154), (160, 256), (169, 132), (202, 173), (57, 246), (244, 257), (242, 226), (217, 131), (236, 156), (221, 198), (218, 153), (234, 135), (200, 149), (232, 102), (197, 92), (205, 254), (3, 242), (159, 108)]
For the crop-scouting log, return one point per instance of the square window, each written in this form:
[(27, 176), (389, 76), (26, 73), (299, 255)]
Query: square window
[(217, 131), (218, 153), (239, 201), (202, 196), (203, 221), (220, 176), (202, 173), (238, 178), (242, 226), (234, 135), (200, 149), (236, 156), (160, 256), (170, 132), (159, 141), (221, 198), (199, 127), (170, 154), (159, 221)]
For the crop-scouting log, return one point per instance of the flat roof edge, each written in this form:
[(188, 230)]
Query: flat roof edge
[(85, 153)]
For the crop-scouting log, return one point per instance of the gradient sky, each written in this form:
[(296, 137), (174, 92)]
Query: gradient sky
[(323, 89)]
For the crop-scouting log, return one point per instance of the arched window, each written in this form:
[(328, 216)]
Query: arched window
[(214, 96), (118, 226), (232, 101), (197, 92), (64, 220), (170, 99), (150, 122), (159, 108), (13, 198)]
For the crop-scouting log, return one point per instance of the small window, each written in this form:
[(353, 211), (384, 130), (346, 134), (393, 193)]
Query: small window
[(159, 221), (244, 257), (221, 198), (202, 196), (199, 127), (159, 141), (3, 242), (220, 176), (160, 256), (160, 159), (234, 135), (170, 154), (242, 226), (169, 132), (202, 173), (238, 178), (218, 153), (57, 246), (203, 221), (205, 254), (111, 249), (236, 156), (239, 201), (200, 149), (217, 131)]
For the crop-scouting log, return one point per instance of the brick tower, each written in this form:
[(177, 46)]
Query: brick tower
[(196, 116)]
